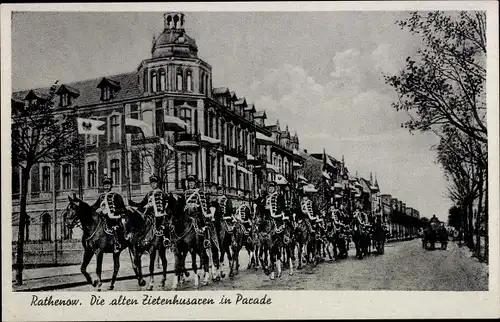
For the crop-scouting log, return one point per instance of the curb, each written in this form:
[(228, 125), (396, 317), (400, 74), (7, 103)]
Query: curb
[(53, 287)]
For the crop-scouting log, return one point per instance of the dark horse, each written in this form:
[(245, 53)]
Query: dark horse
[(97, 239), (305, 241), (187, 237), (360, 237), (149, 239), (379, 235)]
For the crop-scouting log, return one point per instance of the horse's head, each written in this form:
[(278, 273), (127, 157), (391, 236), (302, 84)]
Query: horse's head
[(75, 210)]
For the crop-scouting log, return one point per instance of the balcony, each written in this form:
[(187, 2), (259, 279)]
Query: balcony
[(186, 141)]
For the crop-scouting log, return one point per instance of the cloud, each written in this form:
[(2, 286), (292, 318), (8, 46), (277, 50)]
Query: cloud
[(350, 114)]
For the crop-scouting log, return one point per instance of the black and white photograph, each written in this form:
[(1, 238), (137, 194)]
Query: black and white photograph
[(170, 151)]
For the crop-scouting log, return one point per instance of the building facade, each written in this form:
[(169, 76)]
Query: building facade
[(217, 142)]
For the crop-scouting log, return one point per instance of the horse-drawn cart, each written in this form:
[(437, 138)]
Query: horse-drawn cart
[(435, 233)]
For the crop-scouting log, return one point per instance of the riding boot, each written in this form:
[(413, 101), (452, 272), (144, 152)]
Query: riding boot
[(117, 244), (166, 240)]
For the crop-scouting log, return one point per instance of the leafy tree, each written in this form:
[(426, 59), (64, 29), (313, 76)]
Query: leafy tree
[(455, 217), (443, 90), (41, 132), (445, 83)]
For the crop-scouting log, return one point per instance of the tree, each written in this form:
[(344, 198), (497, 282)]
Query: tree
[(455, 215), (461, 159), (44, 133), (153, 155), (443, 90), (445, 84)]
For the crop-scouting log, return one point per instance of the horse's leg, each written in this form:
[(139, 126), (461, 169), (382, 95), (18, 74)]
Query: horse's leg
[(299, 255), (178, 269), (208, 264), (279, 260), (289, 257), (116, 268), (215, 259), (195, 267), (138, 264), (272, 255), (162, 253), (152, 258), (87, 257), (98, 270)]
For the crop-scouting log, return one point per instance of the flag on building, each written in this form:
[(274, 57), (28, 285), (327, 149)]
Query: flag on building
[(89, 126), (134, 126)]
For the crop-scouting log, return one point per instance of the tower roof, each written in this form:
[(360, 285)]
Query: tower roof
[(174, 41)]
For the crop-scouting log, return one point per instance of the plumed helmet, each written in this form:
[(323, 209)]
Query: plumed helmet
[(107, 180), (191, 178), (153, 178)]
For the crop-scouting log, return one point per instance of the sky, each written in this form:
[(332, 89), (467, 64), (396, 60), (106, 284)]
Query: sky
[(320, 73)]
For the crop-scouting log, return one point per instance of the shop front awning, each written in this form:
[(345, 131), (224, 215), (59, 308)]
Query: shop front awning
[(174, 124), (263, 139)]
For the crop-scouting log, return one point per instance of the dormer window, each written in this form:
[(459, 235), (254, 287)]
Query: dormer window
[(66, 93), (34, 98), (65, 100), (108, 88), (106, 93)]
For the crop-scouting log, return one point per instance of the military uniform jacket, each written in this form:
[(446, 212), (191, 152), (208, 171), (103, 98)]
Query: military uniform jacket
[(155, 199), (275, 204), (226, 207), (198, 198), (111, 203), (308, 208)]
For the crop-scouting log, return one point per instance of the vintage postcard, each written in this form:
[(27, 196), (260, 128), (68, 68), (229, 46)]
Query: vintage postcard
[(250, 160)]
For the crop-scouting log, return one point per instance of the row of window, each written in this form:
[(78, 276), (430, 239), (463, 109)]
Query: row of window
[(46, 229), (230, 135), (156, 81)]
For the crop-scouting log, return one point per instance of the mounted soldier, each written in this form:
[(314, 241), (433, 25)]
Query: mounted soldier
[(197, 204), (110, 204), (225, 204), (308, 207), (155, 204), (275, 204)]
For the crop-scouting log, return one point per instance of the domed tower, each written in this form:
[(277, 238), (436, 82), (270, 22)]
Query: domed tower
[(174, 65), (174, 41)]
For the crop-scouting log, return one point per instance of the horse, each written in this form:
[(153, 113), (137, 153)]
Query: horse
[(97, 239), (251, 242), (305, 240), (149, 239), (186, 238), (360, 237), (289, 243), (379, 235), (225, 241), (265, 230), (239, 238)]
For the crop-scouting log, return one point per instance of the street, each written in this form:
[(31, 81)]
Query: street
[(405, 266)]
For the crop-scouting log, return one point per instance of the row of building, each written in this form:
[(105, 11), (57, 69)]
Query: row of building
[(192, 128)]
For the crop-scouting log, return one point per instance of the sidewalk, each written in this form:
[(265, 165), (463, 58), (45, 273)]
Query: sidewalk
[(47, 278), (50, 278)]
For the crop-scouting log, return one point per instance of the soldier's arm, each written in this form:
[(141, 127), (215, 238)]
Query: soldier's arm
[(119, 202)]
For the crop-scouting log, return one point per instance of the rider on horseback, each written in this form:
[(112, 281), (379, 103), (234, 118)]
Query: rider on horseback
[(110, 204), (155, 202), (275, 204), (197, 199), (308, 207)]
